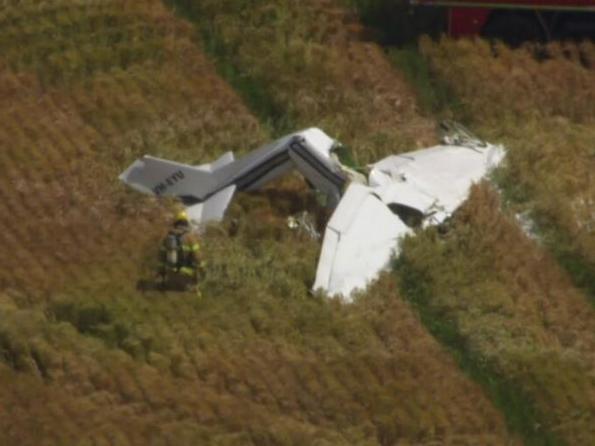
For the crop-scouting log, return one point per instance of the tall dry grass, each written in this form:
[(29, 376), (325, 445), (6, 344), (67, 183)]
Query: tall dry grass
[(65, 142), (515, 308), (90, 359), (544, 111), (508, 299), (496, 82), (315, 71)]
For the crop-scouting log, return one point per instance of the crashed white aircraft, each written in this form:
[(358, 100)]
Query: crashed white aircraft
[(419, 188)]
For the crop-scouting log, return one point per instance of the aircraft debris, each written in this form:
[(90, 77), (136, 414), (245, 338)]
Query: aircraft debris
[(401, 192), (304, 224)]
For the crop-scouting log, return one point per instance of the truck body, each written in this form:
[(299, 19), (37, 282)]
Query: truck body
[(517, 20)]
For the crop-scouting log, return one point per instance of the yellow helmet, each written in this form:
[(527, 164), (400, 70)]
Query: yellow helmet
[(181, 217)]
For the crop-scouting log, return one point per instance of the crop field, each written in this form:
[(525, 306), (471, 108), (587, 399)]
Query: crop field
[(545, 114), (521, 299), (63, 135), (91, 354), (93, 360), (314, 70)]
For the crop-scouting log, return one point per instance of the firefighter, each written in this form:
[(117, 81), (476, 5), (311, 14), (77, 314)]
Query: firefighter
[(179, 260)]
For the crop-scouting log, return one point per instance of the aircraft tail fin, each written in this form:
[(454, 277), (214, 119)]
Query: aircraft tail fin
[(223, 160), (211, 209), (196, 186)]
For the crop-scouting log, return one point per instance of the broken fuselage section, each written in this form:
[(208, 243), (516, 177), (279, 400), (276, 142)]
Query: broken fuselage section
[(372, 213), (207, 189)]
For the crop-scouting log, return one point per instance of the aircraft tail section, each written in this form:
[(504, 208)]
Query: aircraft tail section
[(211, 209), (204, 196), (161, 177), (223, 160), (156, 176)]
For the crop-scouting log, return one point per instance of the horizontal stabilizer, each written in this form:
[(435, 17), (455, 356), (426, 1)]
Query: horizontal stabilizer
[(161, 177)]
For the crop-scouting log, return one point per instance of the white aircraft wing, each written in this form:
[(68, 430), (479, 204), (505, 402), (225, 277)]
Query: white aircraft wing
[(359, 241), (425, 186), (435, 180)]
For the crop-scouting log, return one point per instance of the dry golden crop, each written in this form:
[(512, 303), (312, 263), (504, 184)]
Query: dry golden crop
[(507, 297), (516, 308), (315, 69), (544, 111), (90, 359), (65, 140)]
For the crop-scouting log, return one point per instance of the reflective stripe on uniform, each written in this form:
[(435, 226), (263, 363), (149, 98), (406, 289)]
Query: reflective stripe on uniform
[(190, 248), (167, 267), (186, 271)]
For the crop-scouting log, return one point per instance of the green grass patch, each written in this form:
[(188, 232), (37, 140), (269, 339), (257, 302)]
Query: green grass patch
[(93, 319), (273, 115), (561, 245), (434, 96), (551, 235), (579, 268), (521, 414)]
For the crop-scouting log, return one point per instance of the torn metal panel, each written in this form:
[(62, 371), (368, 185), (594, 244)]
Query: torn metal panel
[(435, 180), (420, 188)]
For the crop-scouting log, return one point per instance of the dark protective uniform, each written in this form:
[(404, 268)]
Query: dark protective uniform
[(179, 260)]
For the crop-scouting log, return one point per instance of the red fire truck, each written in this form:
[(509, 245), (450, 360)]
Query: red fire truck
[(517, 20)]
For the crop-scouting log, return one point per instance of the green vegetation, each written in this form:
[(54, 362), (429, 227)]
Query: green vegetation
[(395, 22), (521, 414), (301, 60), (435, 96), (545, 117), (253, 88), (513, 319), (90, 357), (93, 357)]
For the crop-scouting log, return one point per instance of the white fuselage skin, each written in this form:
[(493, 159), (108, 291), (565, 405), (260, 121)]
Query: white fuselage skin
[(363, 233)]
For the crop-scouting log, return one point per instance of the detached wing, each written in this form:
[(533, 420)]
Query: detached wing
[(437, 179), (360, 240)]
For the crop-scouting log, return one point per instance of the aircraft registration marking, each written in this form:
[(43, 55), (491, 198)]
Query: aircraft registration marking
[(171, 180)]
